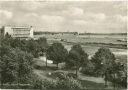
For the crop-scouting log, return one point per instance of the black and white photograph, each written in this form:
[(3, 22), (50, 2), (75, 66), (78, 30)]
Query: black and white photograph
[(63, 45)]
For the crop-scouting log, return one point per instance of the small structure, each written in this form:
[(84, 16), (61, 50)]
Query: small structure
[(43, 58)]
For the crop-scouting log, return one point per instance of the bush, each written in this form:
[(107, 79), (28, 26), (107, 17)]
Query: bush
[(88, 69), (62, 80), (49, 84), (66, 80), (36, 82), (59, 74), (69, 83), (72, 75)]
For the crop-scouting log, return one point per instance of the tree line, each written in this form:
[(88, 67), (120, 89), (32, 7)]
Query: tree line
[(16, 60)]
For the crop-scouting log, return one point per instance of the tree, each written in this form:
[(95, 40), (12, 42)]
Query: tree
[(57, 53), (43, 47), (8, 66), (43, 44), (77, 57), (88, 68), (16, 66), (103, 61), (118, 74), (32, 47), (25, 66), (16, 43), (6, 40)]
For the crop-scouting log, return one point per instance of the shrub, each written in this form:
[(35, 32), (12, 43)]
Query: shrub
[(88, 69), (37, 82), (72, 75), (61, 81), (59, 74), (69, 83), (49, 84), (66, 80)]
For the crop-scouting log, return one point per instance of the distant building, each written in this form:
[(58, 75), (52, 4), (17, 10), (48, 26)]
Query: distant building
[(18, 31)]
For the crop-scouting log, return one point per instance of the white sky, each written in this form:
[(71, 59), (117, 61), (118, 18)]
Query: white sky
[(81, 16)]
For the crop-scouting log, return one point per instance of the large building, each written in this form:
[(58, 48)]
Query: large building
[(18, 31)]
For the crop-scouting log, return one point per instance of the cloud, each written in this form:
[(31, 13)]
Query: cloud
[(6, 14), (120, 18), (80, 13), (25, 19), (95, 16), (79, 22), (31, 5), (73, 11), (33, 15), (52, 22), (66, 16), (52, 19)]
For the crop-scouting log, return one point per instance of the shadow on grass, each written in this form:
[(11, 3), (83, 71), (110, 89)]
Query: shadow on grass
[(92, 85), (99, 86)]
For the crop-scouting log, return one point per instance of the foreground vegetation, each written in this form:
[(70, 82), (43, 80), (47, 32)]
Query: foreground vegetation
[(17, 65)]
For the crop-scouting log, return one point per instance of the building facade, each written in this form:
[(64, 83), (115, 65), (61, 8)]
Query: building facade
[(18, 32)]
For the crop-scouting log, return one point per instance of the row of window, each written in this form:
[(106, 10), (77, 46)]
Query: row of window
[(21, 30), (22, 34)]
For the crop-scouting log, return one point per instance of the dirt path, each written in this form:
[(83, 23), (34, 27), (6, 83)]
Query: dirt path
[(42, 74)]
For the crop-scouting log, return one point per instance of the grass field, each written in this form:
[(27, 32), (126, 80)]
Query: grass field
[(120, 52), (85, 38)]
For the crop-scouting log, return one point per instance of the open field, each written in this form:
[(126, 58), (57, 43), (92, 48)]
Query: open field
[(120, 54), (87, 38), (91, 43)]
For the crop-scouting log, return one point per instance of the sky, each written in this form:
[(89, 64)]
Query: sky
[(62, 16)]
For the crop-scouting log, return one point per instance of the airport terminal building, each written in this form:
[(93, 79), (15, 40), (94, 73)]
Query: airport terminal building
[(18, 31)]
